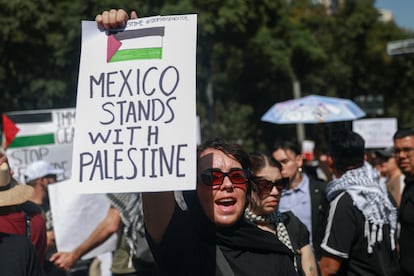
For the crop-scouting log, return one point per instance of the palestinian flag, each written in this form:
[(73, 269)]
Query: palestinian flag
[(10, 131), (122, 46), (24, 129)]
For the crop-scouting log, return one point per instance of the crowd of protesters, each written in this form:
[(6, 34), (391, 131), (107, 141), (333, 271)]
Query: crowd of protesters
[(232, 223)]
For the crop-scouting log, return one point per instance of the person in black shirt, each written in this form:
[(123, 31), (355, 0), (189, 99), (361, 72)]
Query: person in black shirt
[(267, 187), (18, 256), (404, 156), (361, 227)]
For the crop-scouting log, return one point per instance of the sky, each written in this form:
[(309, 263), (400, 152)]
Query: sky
[(402, 11)]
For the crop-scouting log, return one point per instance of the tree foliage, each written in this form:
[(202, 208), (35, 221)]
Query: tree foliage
[(249, 53)]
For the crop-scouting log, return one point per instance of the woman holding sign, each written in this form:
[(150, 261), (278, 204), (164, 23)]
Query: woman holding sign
[(211, 237)]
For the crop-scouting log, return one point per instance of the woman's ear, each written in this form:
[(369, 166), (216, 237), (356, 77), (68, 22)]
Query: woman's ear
[(331, 166), (44, 182), (299, 160), (330, 161)]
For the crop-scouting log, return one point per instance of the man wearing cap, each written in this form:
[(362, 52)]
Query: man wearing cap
[(388, 167), (39, 175), (17, 214)]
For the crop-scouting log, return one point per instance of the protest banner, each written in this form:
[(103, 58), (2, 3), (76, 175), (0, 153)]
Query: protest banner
[(377, 132), (39, 135), (136, 117)]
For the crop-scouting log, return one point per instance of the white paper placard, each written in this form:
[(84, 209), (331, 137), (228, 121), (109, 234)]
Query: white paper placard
[(377, 132), (135, 116), (75, 216)]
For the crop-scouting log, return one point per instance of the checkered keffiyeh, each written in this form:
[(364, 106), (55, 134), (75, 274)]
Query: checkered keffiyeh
[(283, 236), (371, 198), (129, 206)]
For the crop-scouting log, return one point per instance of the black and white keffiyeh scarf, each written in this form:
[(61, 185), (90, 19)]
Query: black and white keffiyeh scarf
[(277, 219), (129, 206), (370, 197)]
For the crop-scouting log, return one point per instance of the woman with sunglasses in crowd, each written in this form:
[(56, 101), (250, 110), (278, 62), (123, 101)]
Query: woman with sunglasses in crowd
[(267, 186), (212, 237)]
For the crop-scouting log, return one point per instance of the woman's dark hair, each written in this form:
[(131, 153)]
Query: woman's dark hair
[(258, 161), (231, 149)]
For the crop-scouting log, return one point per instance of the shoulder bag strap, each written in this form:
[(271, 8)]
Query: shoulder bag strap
[(222, 263), (27, 219)]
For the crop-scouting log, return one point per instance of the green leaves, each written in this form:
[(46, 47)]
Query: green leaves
[(249, 52)]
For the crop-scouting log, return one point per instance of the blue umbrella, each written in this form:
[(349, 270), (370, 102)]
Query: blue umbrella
[(313, 109)]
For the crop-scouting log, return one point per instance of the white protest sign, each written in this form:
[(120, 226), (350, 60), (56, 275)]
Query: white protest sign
[(76, 215), (136, 118), (41, 135), (377, 132)]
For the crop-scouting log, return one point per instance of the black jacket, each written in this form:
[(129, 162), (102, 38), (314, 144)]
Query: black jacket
[(406, 220), (320, 211)]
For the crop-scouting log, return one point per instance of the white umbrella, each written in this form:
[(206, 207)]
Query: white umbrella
[(313, 109)]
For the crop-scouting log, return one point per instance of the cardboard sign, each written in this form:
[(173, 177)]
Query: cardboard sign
[(76, 215), (40, 135), (377, 132), (136, 118)]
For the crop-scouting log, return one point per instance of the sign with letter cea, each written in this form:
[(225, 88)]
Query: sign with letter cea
[(33, 135)]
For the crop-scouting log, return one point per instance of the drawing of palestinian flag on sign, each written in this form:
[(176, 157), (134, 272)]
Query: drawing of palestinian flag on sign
[(122, 46), (10, 131), (24, 130)]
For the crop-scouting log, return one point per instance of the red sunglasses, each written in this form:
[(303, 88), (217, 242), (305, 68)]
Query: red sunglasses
[(215, 177)]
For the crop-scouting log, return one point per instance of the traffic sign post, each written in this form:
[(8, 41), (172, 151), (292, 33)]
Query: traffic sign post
[(400, 47)]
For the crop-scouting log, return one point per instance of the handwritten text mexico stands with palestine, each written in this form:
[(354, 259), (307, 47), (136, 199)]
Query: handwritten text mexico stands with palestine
[(135, 113)]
